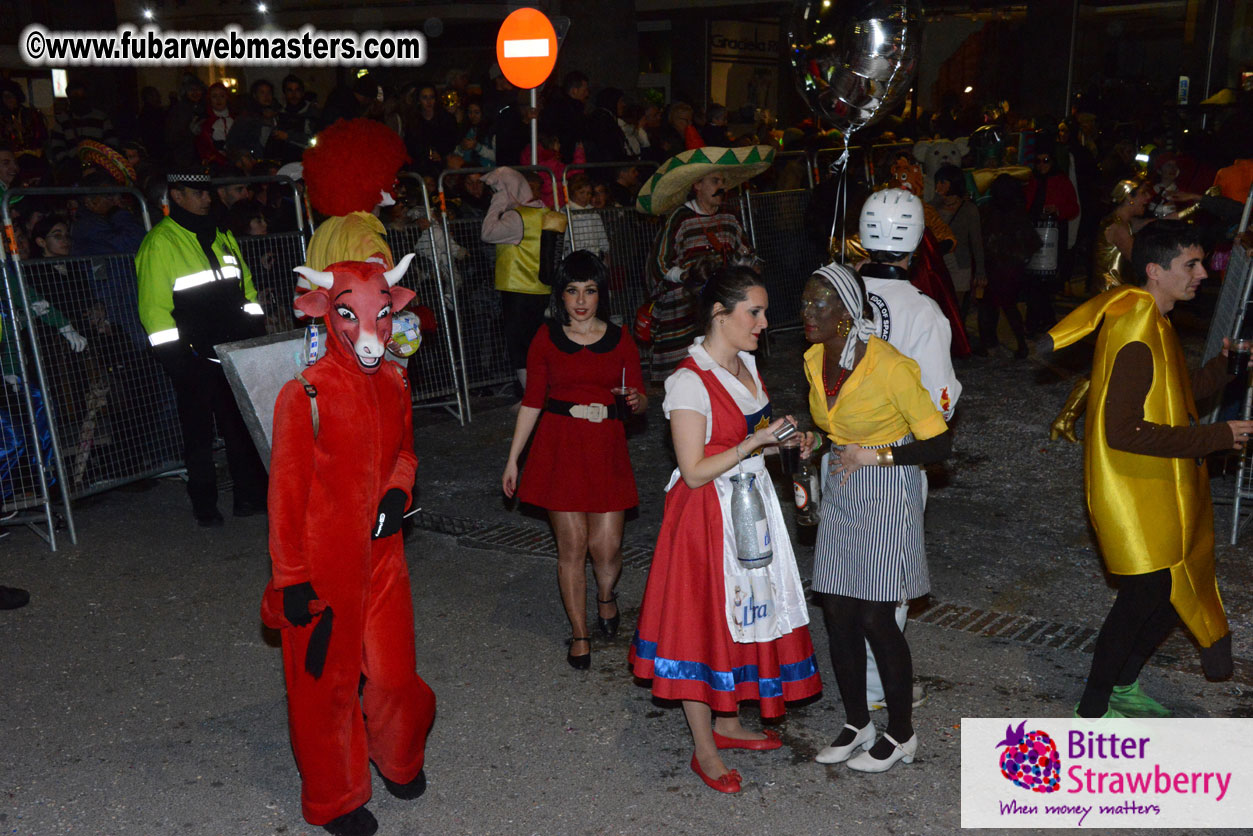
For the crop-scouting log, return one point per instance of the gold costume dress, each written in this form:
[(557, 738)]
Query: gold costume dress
[(1108, 263), (1149, 512), (1108, 271)]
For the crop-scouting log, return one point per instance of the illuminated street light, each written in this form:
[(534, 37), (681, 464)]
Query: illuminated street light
[(148, 15), (969, 89)]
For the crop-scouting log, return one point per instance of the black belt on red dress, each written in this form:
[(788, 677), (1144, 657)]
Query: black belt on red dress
[(588, 411)]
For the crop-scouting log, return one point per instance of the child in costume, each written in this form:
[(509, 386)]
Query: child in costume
[(340, 477)]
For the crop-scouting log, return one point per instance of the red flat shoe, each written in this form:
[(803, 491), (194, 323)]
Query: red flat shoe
[(727, 783), (772, 741)]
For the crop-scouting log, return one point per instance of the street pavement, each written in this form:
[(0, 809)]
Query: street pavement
[(140, 694)]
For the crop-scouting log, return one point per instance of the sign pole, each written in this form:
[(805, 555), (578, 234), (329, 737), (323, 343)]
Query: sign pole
[(534, 130), (526, 49)]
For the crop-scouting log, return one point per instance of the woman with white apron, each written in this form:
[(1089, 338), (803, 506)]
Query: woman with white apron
[(713, 631)]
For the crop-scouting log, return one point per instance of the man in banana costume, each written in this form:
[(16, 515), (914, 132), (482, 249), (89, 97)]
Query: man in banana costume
[(1144, 471)]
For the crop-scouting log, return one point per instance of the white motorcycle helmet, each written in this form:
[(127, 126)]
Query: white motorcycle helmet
[(892, 221)]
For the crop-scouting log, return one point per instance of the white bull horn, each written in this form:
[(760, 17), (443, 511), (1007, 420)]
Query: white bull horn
[(398, 272), (317, 278)]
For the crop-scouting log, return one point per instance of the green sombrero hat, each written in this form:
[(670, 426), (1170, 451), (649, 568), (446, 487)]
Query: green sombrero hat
[(667, 189)]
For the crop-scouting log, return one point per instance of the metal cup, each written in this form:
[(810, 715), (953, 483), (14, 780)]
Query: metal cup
[(785, 432)]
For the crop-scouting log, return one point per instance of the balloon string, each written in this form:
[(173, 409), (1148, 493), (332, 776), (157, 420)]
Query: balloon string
[(839, 170)]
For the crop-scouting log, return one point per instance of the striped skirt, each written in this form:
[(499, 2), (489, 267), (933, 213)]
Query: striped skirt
[(870, 543)]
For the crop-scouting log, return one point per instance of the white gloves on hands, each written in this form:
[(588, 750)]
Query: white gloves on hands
[(76, 340)]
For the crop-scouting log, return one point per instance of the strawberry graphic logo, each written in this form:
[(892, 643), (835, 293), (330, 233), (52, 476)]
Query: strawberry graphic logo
[(1030, 759)]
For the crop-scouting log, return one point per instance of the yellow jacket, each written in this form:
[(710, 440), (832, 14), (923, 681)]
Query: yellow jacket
[(1149, 512)]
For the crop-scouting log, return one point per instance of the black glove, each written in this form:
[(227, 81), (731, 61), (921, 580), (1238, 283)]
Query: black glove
[(391, 514), (296, 600)]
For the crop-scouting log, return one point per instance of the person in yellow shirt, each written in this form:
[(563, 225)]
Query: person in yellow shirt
[(869, 400)]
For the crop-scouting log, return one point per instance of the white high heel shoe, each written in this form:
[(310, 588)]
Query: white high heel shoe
[(863, 739), (865, 762)]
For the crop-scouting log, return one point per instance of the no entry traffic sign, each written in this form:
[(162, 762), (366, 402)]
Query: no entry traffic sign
[(526, 48)]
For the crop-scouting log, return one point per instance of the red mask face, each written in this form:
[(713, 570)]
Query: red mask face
[(357, 299)]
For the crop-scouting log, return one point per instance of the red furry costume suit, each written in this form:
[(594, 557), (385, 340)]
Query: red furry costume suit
[(340, 475), (350, 170)]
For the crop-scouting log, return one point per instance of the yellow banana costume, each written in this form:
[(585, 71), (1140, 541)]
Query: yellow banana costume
[(1149, 512)]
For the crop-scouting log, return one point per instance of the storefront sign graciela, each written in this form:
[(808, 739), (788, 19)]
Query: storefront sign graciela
[(733, 39), (1062, 772)]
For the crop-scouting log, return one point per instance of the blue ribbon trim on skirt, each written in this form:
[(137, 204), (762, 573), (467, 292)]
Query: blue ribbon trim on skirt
[(725, 681)]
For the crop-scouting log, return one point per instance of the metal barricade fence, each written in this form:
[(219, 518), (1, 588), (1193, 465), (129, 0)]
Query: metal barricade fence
[(623, 236), (272, 259), (297, 204), (433, 371), (776, 225), (92, 417), (480, 341)]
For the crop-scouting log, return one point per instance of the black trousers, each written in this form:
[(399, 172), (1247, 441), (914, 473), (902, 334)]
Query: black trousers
[(521, 315), (1141, 618), (205, 400)]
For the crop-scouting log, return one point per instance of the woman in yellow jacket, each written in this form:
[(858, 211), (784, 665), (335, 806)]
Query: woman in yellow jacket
[(868, 398)]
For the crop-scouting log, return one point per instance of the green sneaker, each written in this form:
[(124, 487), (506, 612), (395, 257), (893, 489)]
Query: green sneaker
[(1133, 702), (1110, 713)]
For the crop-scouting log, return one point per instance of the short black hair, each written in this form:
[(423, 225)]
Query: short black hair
[(573, 79), (580, 266), (1160, 243)]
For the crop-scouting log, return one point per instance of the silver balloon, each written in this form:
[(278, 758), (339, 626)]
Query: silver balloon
[(854, 59)]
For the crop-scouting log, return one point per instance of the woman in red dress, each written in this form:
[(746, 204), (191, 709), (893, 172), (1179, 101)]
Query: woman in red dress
[(712, 633), (578, 467)]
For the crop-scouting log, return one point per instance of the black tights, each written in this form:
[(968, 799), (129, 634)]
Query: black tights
[(851, 622), (1138, 622)]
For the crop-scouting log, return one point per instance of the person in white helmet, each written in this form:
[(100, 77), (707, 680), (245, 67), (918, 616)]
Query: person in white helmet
[(890, 228)]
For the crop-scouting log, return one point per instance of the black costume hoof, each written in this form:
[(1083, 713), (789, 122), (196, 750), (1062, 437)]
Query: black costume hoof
[(360, 822), (409, 791)]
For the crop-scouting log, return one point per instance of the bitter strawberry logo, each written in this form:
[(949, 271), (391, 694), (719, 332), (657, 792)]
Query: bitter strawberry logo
[(1030, 759)]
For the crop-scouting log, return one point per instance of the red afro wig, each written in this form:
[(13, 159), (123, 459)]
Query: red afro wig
[(352, 161)]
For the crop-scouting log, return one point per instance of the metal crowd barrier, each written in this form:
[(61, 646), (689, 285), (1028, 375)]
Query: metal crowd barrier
[(79, 422), (626, 237), (434, 376), (872, 163), (775, 222)]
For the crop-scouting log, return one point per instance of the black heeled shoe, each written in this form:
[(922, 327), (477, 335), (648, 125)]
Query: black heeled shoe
[(608, 626), (579, 663)]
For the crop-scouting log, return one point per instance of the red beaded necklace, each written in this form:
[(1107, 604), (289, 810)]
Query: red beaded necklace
[(832, 391)]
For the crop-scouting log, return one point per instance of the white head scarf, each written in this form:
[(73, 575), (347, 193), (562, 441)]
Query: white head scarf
[(854, 299)]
